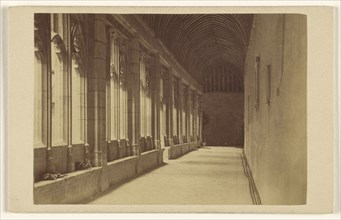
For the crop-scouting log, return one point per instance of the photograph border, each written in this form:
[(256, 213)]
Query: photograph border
[(321, 95)]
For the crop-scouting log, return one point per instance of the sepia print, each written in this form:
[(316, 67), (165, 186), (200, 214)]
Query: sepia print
[(170, 109)]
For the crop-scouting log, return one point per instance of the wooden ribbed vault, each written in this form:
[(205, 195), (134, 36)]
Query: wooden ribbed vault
[(202, 42)]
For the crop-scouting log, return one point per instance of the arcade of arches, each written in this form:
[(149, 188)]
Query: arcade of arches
[(118, 95)]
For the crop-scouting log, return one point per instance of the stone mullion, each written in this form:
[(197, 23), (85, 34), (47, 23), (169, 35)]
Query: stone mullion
[(70, 164), (85, 92), (49, 165), (109, 76)]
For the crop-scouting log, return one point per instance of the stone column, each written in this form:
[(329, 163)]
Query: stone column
[(185, 108), (96, 91), (134, 94), (181, 93), (200, 118), (170, 106), (189, 101), (178, 113), (192, 111), (195, 115), (156, 74), (67, 35), (49, 163)]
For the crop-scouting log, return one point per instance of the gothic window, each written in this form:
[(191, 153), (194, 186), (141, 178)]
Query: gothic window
[(113, 88), (123, 91), (163, 106), (145, 97), (59, 91), (117, 92), (40, 87), (78, 82), (114, 54)]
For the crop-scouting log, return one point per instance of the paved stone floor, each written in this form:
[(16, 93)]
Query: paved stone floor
[(208, 176)]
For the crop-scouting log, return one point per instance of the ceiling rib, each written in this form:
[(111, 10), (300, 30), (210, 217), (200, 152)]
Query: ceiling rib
[(203, 41)]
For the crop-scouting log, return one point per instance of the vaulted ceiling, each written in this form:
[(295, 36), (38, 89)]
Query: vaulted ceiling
[(202, 42)]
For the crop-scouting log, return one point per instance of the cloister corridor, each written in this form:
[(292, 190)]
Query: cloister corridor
[(140, 109), (207, 176)]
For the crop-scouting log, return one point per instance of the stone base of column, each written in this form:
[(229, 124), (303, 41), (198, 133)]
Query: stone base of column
[(157, 144), (97, 159), (86, 153), (70, 163), (136, 150), (50, 166), (170, 140)]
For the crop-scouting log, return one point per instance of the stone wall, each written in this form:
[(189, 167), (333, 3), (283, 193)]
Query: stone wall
[(224, 115), (82, 185), (276, 127)]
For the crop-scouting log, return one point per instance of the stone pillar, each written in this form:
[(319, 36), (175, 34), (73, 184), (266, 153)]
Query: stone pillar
[(49, 163), (156, 74), (192, 111), (181, 93), (178, 113), (96, 91), (166, 98), (185, 108), (195, 116), (189, 101), (170, 91), (134, 94), (200, 118), (67, 40)]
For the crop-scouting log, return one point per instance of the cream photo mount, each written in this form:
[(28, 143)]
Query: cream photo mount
[(320, 107)]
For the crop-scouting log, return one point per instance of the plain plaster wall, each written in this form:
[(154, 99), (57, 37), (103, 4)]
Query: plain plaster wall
[(276, 134), (224, 114)]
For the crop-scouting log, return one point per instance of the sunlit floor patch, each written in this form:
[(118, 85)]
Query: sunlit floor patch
[(208, 176)]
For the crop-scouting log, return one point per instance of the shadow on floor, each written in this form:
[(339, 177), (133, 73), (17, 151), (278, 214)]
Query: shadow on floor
[(118, 185)]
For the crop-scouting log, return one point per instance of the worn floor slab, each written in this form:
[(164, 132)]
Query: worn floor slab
[(208, 176)]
